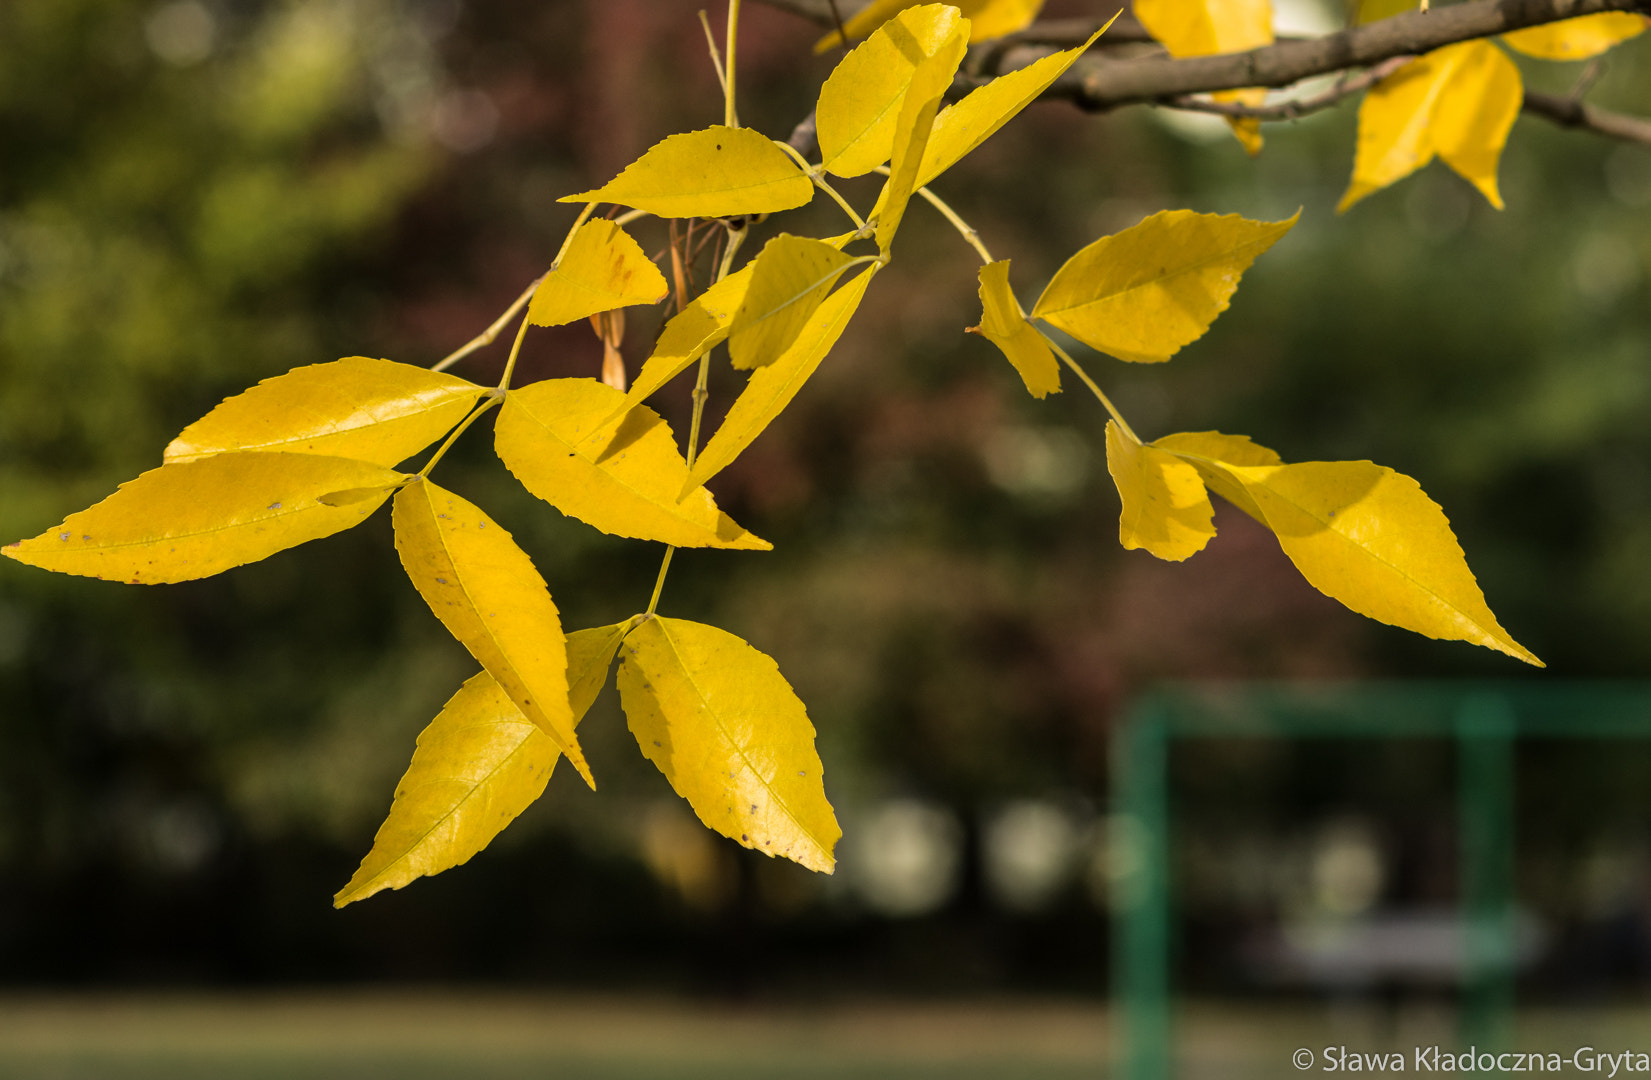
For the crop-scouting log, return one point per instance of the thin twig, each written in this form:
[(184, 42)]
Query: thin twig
[(1568, 112), (1294, 110), (487, 337)]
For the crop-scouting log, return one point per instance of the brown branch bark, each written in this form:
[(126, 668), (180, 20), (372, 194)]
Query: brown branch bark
[(1572, 113), (1102, 84)]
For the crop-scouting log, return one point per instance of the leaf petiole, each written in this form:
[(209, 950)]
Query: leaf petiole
[(820, 182), (1087, 381), (659, 583), (490, 399), (964, 229), (487, 337)]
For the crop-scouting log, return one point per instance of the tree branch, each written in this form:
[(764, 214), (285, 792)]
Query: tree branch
[(1098, 84), (1573, 113), (1294, 110)]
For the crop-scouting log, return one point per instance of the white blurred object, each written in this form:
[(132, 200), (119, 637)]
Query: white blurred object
[(906, 857), (182, 33), (1028, 848)]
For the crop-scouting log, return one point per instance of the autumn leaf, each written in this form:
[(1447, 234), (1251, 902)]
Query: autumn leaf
[(477, 766), (1368, 537), (859, 104), (726, 729), (1205, 27), (1458, 102), (1202, 448), (1165, 507), (1003, 323), (371, 410), (790, 278), (774, 385), (715, 172), (625, 482), (934, 37), (959, 128), (1577, 39), (988, 19), (488, 594), (689, 334), (193, 519), (1142, 294), (602, 269)]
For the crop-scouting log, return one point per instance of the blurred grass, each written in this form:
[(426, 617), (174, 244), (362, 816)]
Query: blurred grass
[(499, 1036)]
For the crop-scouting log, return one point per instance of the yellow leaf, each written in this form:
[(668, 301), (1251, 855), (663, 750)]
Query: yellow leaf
[(370, 410), (478, 765), (790, 278), (988, 19), (488, 594), (1206, 27), (715, 172), (860, 104), (1165, 508), (1143, 293), (1362, 534), (961, 127), (728, 732), (602, 269), (1204, 449), (625, 482), (193, 519), (1578, 39), (774, 385), (1472, 120), (1459, 102), (1003, 323), (590, 654), (690, 333), (934, 37)]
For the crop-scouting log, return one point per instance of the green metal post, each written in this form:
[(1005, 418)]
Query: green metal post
[(1140, 872), (1485, 729)]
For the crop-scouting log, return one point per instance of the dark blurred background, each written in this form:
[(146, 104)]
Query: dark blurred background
[(198, 194)]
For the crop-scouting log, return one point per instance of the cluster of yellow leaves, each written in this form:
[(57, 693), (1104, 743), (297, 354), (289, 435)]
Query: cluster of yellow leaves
[(317, 450), (1459, 102)]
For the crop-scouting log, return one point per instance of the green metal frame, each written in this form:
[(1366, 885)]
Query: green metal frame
[(1484, 719)]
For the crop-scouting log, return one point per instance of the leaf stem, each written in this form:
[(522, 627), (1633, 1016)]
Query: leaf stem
[(487, 337), (659, 583), (964, 229), (730, 115), (567, 241), (716, 57), (493, 398), (1087, 381), (820, 182), (629, 216), (515, 351)]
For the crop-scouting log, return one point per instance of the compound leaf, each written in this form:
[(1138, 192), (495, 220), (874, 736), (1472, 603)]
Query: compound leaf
[(774, 385), (602, 269), (726, 729), (625, 481), (488, 594), (934, 38), (193, 519), (1003, 323), (1165, 507), (715, 172), (1142, 294), (370, 410), (790, 278), (1580, 38)]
